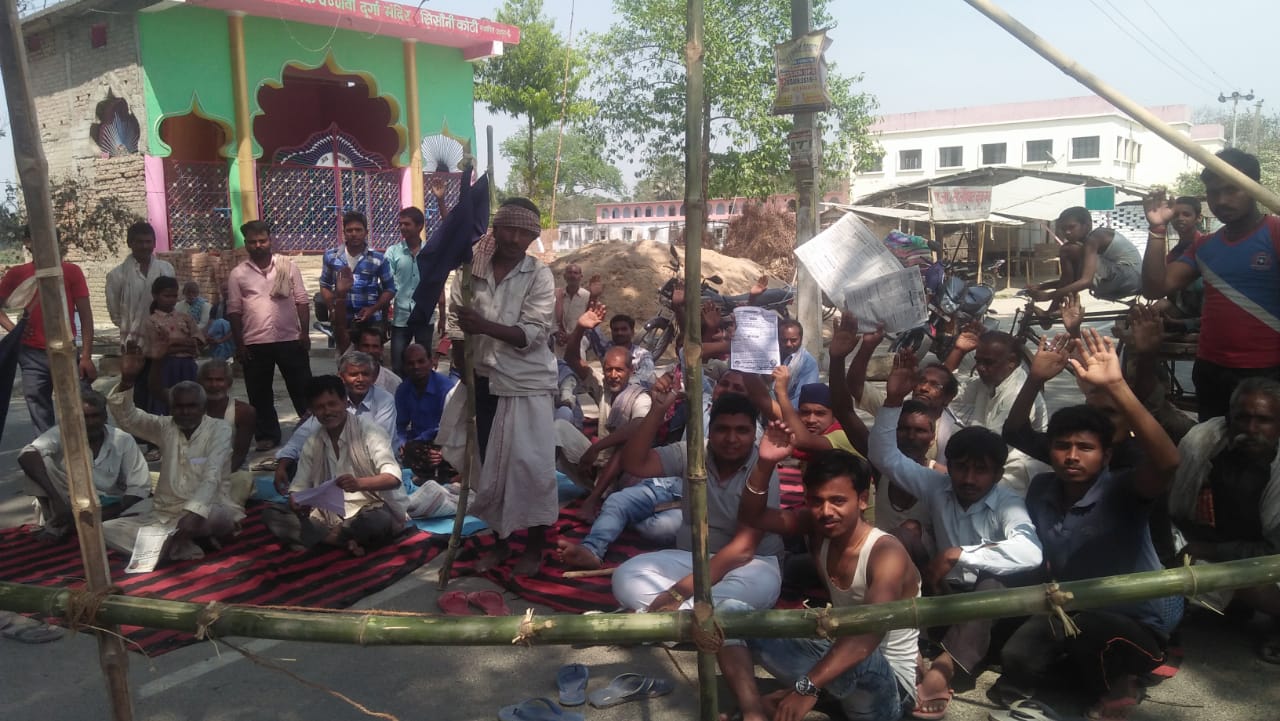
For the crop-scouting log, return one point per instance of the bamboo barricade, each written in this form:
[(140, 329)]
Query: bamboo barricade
[(33, 172), (705, 628), (1182, 142), (374, 628)]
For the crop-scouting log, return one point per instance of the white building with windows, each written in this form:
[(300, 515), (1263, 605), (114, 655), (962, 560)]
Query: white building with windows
[(1082, 136)]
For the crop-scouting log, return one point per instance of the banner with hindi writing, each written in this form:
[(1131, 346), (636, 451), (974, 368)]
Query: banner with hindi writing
[(959, 203), (801, 70)]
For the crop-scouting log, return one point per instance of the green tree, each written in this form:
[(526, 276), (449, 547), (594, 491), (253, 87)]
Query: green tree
[(640, 70), (585, 174), (663, 179), (1257, 133), (528, 80)]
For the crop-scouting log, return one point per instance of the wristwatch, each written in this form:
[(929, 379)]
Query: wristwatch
[(805, 687)]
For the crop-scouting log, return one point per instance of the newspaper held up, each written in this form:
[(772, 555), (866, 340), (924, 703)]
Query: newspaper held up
[(754, 348), (897, 299), (845, 255)]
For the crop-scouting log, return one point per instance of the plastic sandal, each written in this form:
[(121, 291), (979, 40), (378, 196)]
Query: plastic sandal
[(572, 682), (537, 709), (630, 687)]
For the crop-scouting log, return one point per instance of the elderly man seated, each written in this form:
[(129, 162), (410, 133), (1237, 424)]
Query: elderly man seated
[(215, 377), (354, 454), (119, 472), (1225, 497), (191, 498), (419, 406), (356, 370)]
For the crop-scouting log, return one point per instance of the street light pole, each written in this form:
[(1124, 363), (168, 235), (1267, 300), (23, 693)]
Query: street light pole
[(1235, 97), (808, 297)]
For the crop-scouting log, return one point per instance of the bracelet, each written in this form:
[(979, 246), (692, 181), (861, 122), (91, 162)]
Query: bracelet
[(1156, 229), (765, 492), (672, 592), (1157, 236)]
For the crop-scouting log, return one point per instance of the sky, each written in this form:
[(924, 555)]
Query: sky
[(930, 54)]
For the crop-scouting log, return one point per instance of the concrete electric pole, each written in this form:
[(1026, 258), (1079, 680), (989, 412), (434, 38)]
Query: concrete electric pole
[(1235, 97)]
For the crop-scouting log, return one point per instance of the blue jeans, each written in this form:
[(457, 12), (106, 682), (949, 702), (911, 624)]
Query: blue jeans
[(635, 506), (401, 337), (867, 692), (37, 387)]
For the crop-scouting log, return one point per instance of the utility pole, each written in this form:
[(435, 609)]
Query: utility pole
[(808, 297), (1235, 97), (1257, 127)]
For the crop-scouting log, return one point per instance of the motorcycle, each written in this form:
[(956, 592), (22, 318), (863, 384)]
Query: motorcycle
[(955, 303), (660, 330)]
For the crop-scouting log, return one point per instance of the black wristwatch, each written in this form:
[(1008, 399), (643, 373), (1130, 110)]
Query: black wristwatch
[(805, 687)]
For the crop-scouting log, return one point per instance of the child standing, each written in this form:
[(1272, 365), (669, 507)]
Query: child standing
[(222, 345), (195, 305), (173, 341)]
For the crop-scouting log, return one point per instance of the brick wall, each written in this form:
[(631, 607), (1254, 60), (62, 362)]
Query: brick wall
[(69, 78)]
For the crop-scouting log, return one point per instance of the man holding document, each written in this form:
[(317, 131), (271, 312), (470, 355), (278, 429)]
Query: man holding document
[(347, 491)]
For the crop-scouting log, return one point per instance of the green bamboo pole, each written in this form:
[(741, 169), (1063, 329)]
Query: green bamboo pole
[(400, 629), (696, 471), (33, 174)]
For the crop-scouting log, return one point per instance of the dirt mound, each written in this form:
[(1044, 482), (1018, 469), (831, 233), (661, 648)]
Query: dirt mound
[(633, 273), (767, 236)]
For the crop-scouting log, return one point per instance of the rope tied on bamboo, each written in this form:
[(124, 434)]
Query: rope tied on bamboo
[(708, 635), (825, 625), (528, 629), (1058, 599), (83, 607), (208, 616)]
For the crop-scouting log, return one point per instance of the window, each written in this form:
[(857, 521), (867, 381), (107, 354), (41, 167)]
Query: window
[(719, 208), (952, 157), (994, 154), (648, 212), (1086, 148), (661, 211), (682, 209), (604, 214), (626, 212), (626, 235), (671, 210), (1040, 151), (910, 160), (615, 213), (874, 163)]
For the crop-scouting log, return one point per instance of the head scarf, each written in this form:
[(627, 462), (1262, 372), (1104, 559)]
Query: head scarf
[(815, 393), (514, 216)]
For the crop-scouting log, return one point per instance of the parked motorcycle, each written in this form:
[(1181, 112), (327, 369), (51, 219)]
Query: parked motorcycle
[(958, 301)]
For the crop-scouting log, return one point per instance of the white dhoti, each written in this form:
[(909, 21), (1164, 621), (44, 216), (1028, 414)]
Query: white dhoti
[(571, 441), (122, 533), (516, 486)]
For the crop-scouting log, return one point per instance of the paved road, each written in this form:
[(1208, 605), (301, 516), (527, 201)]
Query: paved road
[(1221, 679)]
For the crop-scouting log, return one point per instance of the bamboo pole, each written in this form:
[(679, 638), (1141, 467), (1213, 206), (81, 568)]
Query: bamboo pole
[(33, 173), (695, 223), (1182, 142), (982, 240), (468, 409), (375, 628)]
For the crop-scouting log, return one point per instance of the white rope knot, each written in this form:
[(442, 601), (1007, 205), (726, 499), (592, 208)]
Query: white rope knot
[(528, 629), (1058, 599)]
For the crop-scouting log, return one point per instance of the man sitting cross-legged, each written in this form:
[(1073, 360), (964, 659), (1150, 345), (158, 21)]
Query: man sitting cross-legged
[(119, 471), (984, 538), (355, 452), (744, 564), (871, 676), (419, 407), (1093, 523), (192, 497), (623, 404), (652, 506), (1226, 493)]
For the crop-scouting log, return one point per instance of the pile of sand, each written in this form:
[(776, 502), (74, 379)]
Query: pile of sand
[(633, 273)]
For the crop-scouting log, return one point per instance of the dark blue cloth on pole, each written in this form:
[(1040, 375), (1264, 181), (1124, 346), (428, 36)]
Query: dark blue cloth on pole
[(450, 245), (10, 345)]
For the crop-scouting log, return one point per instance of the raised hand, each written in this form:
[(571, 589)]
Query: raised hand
[(1072, 314), (902, 379), (710, 314), (663, 398), (131, 362), (344, 281), (1052, 357), (1101, 365), (777, 444), (1158, 206), (595, 286), (967, 340), (1147, 329), (781, 376), (437, 188), (845, 338), (873, 338), (593, 316), (760, 286)]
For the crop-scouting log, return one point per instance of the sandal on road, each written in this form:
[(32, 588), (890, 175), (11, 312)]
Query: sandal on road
[(1025, 710), (932, 708), (572, 682), (16, 627), (630, 687), (537, 709), (489, 602), (454, 603)]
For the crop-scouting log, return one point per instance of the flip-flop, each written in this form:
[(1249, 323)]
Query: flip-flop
[(630, 687), (24, 630), (941, 713), (454, 603), (572, 682), (1027, 709), (490, 602), (537, 709)]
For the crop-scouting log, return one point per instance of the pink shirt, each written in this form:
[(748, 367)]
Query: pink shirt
[(265, 319)]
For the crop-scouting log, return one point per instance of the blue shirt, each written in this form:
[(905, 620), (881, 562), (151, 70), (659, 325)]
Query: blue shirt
[(418, 415), (372, 277), (404, 271), (1105, 533), (225, 349), (804, 370)]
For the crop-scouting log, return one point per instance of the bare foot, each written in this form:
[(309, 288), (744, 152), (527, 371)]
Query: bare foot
[(576, 557), (495, 557), (530, 562), (355, 549)]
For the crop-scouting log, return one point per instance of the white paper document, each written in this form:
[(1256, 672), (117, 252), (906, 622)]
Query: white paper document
[(896, 299), (147, 548), (754, 348), (326, 497), (845, 254)]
